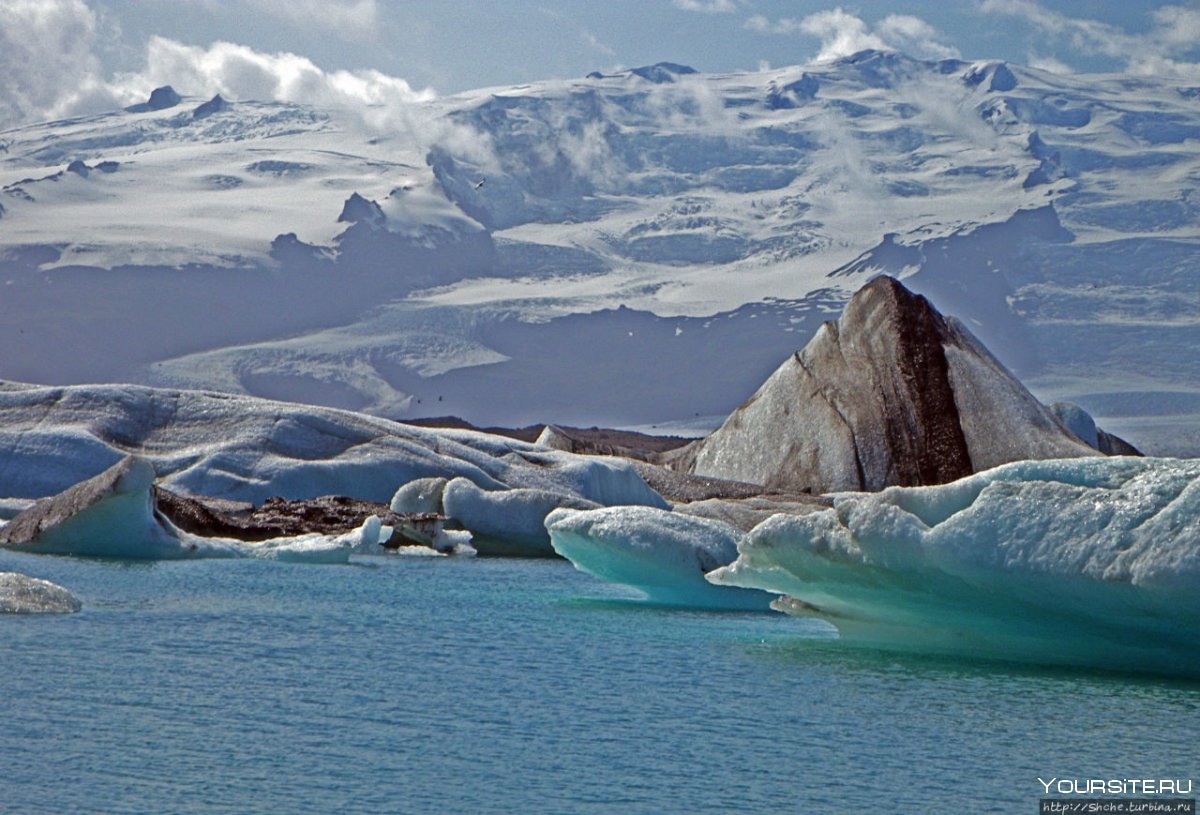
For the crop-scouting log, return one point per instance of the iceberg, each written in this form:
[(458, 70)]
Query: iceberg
[(21, 594), (1092, 562), (114, 515), (247, 449), (663, 554), (507, 522)]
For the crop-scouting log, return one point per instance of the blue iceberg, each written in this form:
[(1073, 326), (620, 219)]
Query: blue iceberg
[(1092, 562), (663, 554)]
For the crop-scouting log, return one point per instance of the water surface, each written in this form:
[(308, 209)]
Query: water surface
[(438, 685)]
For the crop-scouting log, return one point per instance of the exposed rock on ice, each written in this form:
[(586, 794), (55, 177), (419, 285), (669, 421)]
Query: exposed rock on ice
[(21, 594), (891, 393), (507, 522), (164, 97), (793, 94), (662, 554), (997, 76), (206, 109), (114, 515), (361, 210), (663, 72), (160, 99), (1085, 561)]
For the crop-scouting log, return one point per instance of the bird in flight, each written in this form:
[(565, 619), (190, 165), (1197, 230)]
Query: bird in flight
[(480, 183)]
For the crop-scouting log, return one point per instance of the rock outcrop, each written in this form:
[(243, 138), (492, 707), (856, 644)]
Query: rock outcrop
[(893, 393)]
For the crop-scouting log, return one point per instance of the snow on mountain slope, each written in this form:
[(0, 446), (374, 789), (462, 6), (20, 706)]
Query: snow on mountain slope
[(476, 261)]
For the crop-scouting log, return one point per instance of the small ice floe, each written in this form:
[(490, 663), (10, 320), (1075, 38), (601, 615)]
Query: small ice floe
[(21, 594), (663, 554)]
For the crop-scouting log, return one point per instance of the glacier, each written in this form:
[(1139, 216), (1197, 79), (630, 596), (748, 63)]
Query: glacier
[(662, 554), (629, 230), (1091, 562)]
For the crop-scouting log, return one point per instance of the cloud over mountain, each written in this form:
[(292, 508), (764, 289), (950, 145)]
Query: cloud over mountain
[(842, 33)]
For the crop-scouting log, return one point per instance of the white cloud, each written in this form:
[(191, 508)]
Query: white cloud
[(240, 72), (914, 36), (706, 6), (47, 65), (1045, 63), (1168, 48), (842, 33), (596, 44), (49, 69)]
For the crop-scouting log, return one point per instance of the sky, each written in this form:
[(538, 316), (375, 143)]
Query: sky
[(64, 57)]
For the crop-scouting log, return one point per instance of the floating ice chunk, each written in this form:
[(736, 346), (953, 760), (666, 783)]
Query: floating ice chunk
[(454, 542), (113, 515), (21, 594), (314, 548), (110, 515), (419, 496), (1088, 561), (507, 522), (662, 554)]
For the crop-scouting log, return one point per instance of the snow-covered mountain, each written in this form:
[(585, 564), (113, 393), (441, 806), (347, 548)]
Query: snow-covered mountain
[(626, 249)]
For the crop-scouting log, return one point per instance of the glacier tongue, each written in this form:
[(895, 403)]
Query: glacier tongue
[(1090, 562)]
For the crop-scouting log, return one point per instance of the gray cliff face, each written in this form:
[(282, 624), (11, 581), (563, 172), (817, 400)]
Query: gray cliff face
[(893, 393)]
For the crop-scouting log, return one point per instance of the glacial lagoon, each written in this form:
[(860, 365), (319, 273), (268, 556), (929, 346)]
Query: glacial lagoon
[(397, 684)]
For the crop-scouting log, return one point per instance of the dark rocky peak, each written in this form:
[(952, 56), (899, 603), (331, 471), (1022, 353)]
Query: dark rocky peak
[(663, 72), (214, 105), (79, 167), (792, 94), (160, 99), (877, 69), (163, 98), (362, 210), (994, 76)]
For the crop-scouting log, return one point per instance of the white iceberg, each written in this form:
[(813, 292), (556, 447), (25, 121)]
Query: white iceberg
[(507, 522), (663, 554), (1084, 562), (21, 594), (113, 515), (248, 449)]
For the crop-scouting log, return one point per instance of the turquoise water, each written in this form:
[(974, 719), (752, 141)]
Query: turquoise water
[(435, 685)]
